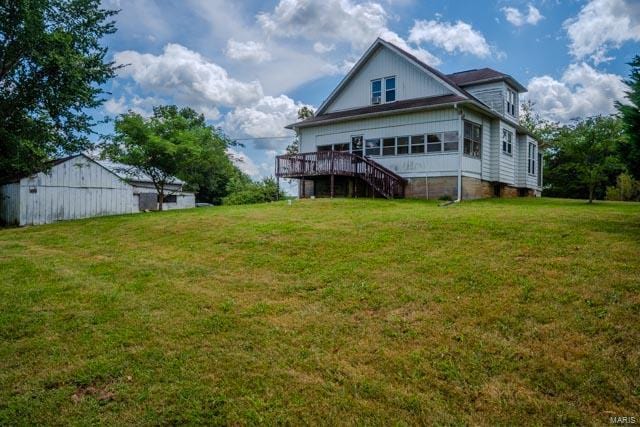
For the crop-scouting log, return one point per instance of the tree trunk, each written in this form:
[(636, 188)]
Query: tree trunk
[(160, 199), (591, 194)]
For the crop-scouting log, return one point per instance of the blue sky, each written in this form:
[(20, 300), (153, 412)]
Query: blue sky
[(249, 65)]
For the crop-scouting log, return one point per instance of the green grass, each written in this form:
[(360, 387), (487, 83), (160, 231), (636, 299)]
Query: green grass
[(325, 312)]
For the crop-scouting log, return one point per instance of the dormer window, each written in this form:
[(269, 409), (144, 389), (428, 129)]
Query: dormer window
[(511, 102), (390, 89), (376, 91)]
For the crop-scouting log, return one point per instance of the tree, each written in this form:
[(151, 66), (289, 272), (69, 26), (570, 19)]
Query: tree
[(303, 113), (242, 190), (51, 68), (583, 158), (544, 131), (173, 142), (630, 114)]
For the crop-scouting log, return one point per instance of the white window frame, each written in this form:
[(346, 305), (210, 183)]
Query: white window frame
[(512, 99), (507, 142), (472, 141), (531, 159), (385, 90), (371, 91)]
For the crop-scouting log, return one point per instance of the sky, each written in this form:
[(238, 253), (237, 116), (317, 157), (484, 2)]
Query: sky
[(248, 66)]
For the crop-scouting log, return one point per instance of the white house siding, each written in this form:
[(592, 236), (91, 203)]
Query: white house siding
[(481, 168), (492, 94), (393, 126), (411, 82), (507, 164), (77, 188), (10, 203)]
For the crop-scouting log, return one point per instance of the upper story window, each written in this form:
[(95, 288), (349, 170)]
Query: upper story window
[(376, 91), (390, 89), (511, 102), (531, 167), (472, 139), (507, 141)]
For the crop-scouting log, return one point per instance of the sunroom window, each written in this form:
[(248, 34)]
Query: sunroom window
[(372, 147), (472, 139), (356, 145), (403, 145), (451, 141), (434, 142), (417, 144), (388, 146)]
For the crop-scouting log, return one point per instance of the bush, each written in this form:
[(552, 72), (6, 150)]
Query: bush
[(626, 189), (244, 191)]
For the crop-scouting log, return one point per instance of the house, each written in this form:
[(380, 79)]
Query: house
[(81, 187), (396, 127)]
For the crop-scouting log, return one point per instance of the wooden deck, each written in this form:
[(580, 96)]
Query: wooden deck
[(335, 163)]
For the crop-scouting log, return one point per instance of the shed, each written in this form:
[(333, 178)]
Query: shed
[(81, 187)]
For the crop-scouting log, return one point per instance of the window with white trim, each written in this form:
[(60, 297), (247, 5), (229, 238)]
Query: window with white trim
[(451, 141), (417, 144), (402, 145), (531, 167), (389, 89), (356, 145), (434, 142), (507, 142), (388, 146), (376, 91), (511, 102), (472, 139), (372, 147)]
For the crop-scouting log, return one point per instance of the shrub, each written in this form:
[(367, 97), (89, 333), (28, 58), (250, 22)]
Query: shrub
[(626, 189), (243, 191)]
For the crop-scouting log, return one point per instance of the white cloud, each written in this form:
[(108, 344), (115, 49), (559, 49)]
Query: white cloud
[(602, 25), (323, 48), (343, 20), (582, 91), (517, 18), (266, 118), (458, 37), (115, 106), (187, 77), (244, 163), (247, 51), (418, 52)]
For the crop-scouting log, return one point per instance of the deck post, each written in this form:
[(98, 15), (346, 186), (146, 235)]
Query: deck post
[(302, 195), (332, 175)]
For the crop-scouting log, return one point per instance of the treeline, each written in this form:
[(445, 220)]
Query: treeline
[(593, 158)]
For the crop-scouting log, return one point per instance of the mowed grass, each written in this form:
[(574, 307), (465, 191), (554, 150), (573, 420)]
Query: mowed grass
[(325, 312)]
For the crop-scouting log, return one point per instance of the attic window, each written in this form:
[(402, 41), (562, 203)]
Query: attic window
[(376, 91), (390, 89), (511, 102)]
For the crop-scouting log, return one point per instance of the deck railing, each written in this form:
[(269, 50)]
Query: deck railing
[(301, 165)]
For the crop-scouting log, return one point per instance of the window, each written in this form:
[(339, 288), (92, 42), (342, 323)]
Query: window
[(372, 147), (388, 146), (451, 141), (324, 148), (417, 144), (507, 141), (531, 167), (390, 89), (169, 198), (341, 147), (403, 145), (472, 139), (434, 143), (376, 91), (356, 145), (511, 102)]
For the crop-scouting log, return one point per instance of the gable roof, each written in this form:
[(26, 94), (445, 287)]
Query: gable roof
[(437, 75), (483, 75), (131, 173)]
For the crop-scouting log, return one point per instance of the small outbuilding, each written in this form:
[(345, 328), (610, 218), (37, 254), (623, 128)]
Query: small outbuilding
[(81, 187)]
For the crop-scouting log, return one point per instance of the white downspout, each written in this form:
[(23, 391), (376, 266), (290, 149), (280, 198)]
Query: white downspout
[(460, 150)]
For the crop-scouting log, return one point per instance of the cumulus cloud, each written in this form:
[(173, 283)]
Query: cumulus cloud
[(342, 20), (188, 78), (582, 91), (458, 37), (244, 163), (323, 48), (602, 25), (247, 51), (518, 18), (419, 52), (266, 118)]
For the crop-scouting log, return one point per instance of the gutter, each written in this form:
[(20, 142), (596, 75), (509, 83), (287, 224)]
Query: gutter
[(460, 150)]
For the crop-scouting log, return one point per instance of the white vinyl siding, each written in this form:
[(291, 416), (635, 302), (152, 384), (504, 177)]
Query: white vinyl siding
[(410, 81)]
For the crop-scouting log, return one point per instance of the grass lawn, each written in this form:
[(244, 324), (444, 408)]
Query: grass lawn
[(325, 312)]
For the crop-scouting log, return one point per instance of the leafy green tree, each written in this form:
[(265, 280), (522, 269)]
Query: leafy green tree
[(544, 131), (583, 158), (630, 113), (626, 188), (173, 142), (52, 66), (242, 190), (303, 113)]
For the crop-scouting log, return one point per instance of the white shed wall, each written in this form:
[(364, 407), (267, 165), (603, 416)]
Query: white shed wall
[(411, 82)]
